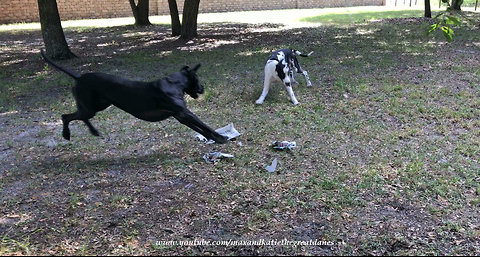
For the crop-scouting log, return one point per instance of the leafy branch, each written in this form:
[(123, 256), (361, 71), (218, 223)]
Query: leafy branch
[(445, 20)]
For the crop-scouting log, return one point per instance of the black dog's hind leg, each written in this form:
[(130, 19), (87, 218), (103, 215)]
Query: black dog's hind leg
[(92, 129), (190, 120), (100, 105), (66, 118), (87, 106), (78, 115)]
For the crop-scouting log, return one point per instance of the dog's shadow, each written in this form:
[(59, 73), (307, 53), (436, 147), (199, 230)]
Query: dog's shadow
[(62, 164)]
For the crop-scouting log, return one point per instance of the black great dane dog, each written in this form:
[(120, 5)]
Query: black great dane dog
[(150, 101), (281, 66)]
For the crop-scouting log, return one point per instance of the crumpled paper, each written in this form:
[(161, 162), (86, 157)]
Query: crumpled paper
[(216, 156), (284, 145)]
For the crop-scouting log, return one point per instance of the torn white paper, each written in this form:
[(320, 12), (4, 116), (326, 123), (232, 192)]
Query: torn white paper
[(229, 131), (273, 166)]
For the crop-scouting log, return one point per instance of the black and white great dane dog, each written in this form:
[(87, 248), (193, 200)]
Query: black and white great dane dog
[(281, 66), (150, 101)]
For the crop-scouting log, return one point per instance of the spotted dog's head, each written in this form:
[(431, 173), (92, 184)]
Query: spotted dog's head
[(285, 67), (194, 88)]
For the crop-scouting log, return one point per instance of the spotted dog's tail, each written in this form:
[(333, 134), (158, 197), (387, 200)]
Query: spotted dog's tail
[(69, 72), (302, 55)]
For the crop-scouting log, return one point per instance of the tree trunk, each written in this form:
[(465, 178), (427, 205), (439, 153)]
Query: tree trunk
[(428, 9), (456, 5), (55, 44), (141, 12), (176, 26), (189, 20)]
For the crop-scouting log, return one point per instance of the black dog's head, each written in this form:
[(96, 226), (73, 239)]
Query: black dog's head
[(193, 88)]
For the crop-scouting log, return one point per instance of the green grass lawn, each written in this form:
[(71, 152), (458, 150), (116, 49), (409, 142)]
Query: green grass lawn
[(387, 157), (286, 17), (355, 16)]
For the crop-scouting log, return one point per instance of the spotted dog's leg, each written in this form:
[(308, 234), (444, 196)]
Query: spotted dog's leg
[(309, 84), (293, 70), (299, 69), (266, 87), (269, 73), (292, 78), (291, 94)]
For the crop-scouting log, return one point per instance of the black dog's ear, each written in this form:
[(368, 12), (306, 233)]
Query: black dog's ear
[(185, 68), (196, 67)]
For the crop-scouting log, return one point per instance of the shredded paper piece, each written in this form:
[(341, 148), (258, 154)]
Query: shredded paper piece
[(273, 166), (215, 156)]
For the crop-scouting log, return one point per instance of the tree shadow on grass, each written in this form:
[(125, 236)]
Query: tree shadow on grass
[(20, 49), (130, 51)]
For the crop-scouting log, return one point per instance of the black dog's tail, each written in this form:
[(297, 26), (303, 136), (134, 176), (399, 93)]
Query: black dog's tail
[(303, 55), (69, 72)]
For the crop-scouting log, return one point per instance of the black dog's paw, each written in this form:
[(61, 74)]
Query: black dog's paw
[(66, 134), (95, 132), (221, 140)]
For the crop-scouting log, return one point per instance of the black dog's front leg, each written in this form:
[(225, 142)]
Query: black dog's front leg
[(189, 119)]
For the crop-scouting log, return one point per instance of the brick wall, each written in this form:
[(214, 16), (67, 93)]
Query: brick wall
[(27, 10), (73, 9), (337, 3), (248, 5), (18, 11)]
